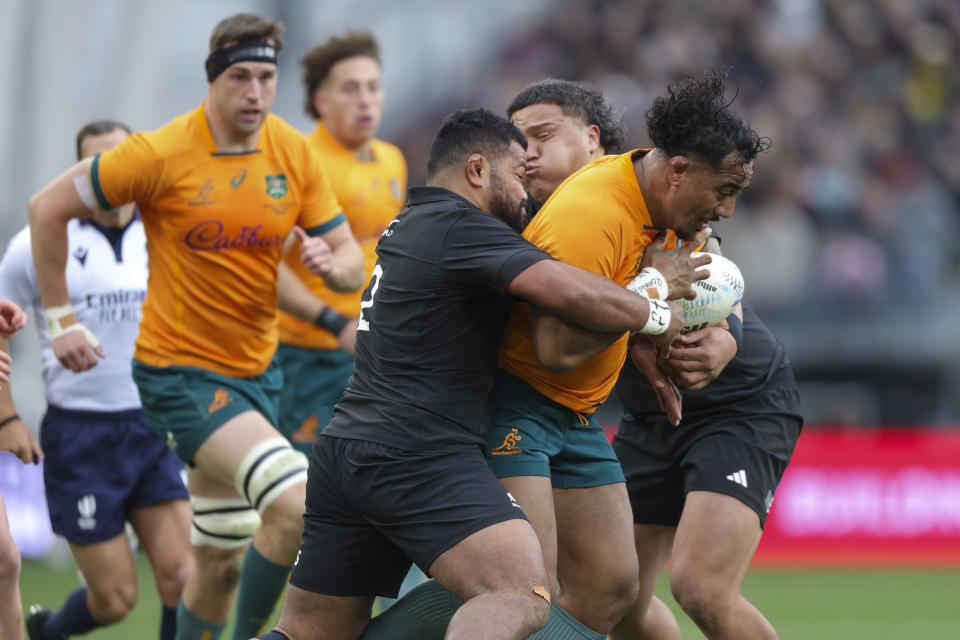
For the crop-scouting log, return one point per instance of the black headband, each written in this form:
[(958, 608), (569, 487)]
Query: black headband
[(219, 60)]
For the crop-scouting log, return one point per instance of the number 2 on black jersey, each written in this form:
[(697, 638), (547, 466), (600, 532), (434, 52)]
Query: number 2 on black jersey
[(363, 324)]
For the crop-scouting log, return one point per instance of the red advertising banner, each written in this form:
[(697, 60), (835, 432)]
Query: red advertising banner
[(857, 496), (850, 497)]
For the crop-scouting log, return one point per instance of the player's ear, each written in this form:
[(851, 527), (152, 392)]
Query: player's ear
[(477, 170), (318, 102), (676, 167), (593, 138)]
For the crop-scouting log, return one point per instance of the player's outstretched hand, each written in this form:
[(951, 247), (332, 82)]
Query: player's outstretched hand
[(17, 439), (698, 357), (314, 253), (678, 267), (77, 349), (644, 354), (12, 318)]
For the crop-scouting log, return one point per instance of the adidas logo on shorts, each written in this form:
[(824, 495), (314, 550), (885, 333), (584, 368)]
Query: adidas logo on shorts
[(740, 477)]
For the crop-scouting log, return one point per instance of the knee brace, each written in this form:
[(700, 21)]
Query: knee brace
[(268, 470), (225, 523)]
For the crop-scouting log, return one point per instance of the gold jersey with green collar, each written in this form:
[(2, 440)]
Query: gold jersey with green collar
[(596, 220), (372, 194), (215, 224)]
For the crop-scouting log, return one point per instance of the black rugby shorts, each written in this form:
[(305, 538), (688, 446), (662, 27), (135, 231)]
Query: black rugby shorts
[(372, 509), (739, 450)]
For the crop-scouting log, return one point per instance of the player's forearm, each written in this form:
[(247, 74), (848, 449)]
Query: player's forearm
[(48, 237), (588, 299), (598, 303), (49, 211), (347, 274), (562, 346), (294, 297)]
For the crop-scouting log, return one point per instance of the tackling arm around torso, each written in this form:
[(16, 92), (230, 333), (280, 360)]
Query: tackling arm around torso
[(584, 309), (565, 344)]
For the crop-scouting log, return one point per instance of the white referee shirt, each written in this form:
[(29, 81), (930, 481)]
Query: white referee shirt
[(107, 281)]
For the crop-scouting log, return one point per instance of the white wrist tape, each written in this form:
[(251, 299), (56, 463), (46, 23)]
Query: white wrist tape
[(54, 315), (658, 319), (650, 283)]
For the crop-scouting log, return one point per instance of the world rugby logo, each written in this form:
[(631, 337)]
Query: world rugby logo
[(87, 506)]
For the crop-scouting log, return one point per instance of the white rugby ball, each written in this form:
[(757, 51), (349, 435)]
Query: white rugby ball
[(716, 296)]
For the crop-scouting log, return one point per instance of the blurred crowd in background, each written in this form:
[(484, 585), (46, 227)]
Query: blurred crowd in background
[(857, 204)]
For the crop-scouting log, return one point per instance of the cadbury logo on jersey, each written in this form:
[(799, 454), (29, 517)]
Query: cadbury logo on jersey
[(210, 236)]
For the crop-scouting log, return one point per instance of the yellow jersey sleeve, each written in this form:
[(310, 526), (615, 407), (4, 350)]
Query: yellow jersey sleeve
[(130, 172), (320, 211)]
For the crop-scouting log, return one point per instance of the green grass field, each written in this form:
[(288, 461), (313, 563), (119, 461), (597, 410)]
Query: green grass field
[(803, 605)]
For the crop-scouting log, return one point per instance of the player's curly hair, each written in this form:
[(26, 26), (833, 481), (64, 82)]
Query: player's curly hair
[(317, 63), (468, 131), (694, 119), (576, 100)]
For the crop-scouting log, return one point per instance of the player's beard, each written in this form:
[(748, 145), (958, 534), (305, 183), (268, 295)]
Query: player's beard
[(501, 205), (685, 234)]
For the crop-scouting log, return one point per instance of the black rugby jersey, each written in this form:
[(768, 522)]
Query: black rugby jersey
[(432, 318)]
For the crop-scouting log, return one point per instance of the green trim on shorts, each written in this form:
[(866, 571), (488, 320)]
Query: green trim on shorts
[(185, 405), (532, 435)]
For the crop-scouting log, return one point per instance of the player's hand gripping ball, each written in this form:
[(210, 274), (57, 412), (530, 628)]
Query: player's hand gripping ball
[(716, 296)]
